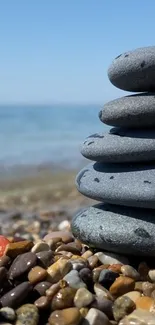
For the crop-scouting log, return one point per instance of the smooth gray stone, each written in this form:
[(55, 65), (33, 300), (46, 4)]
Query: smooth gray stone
[(120, 145), (134, 70), (122, 184), (135, 111), (117, 229)]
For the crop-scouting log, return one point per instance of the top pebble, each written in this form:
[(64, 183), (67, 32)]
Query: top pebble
[(134, 71)]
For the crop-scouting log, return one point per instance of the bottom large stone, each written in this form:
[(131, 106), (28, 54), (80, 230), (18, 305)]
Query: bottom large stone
[(117, 229)]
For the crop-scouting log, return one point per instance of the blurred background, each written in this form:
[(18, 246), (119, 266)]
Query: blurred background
[(53, 82)]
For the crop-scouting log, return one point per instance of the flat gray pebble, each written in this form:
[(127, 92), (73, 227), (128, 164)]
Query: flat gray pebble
[(117, 229), (134, 70)]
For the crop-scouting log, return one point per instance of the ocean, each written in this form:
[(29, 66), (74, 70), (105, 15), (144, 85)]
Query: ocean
[(40, 135)]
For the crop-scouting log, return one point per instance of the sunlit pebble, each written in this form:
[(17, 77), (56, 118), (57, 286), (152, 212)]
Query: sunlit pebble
[(64, 225)]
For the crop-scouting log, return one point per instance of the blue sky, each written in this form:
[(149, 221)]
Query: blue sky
[(55, 51)]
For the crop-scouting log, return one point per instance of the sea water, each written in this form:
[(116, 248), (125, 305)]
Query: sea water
[(38, 135)]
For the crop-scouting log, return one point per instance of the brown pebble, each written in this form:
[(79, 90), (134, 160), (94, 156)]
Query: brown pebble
[(93, 261), (4, 260), (41, 287), (65, 253), (65, 236), (115, 268), (42, 302), (145, 303), (64, 298), (143, 270), (52, 242), (22, 264), (121, 286), (16, 296), (68, 248), (45, 258), (123, 306), (37, 274), (87, 254), (14, 249), (53, 290), (40, 246), (68, 316), (59, 269)]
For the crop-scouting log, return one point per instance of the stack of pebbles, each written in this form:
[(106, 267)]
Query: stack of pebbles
[(123, 174)]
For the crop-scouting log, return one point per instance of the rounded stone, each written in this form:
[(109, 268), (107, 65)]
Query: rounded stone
[(74, 281), (64, 298), (42, 303), (95, 317), (45, 258), (135, 111), (122, 307), (22, 264), (7, 313), (133, 295), (41, 287), (121, 286), (128, 270), (134, 70), (120, 145), (16, 296), (117, 229), (107, 277), (83, 298), (152, 275), (103, 304), (37, 274), (138, 317), (27, 314), (121, 184), (66, 316), (148, 288)]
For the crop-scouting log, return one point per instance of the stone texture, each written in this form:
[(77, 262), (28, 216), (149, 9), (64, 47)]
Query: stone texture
[(135, 111), (122, 285), (27, 314), (95, 317), (83, 298), (134, 70), (122, 307), (22, 264), (117, 229), (68, 316), (120, 145), (138, 317), (16, 296), (122, 184)]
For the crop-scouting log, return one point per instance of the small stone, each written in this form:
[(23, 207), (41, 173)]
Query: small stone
[(148, 288), (84, 311), (4, 260), (121, 286), (51, 292), (95, 317), (68, 316), (16, 296), (143, 270), (103, 304), (93, 261), (73, 280), (146, 303), (68, 248), (22, 264), (41, 246), (115, 268), (65, 236), (122, 307), (151, 275), (27, 314), (87, 254), (41, 287), (64, 225), (138, 317), (101, 292), (78, 264), (96, 272), (14, 249), (83, 298), (128, 270), (64, 298), (42, 302), (45, 258), (111, 258), (59, 269), (86, 275), (107, 277), (3, 274), (139, 286), (7, 313), (37, 274), (133, 295)]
